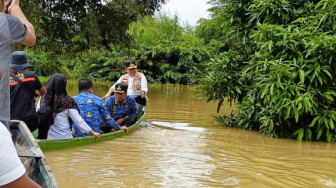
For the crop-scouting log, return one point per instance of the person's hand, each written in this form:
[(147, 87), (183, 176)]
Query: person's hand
[(106, 96), (120, 121), (124, 128), (97, 135), (11, 4), (143, 94)]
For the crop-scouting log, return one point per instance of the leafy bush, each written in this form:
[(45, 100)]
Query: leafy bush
[(283, 67), (166, 52)]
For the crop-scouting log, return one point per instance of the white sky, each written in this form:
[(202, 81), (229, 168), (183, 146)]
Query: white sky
[(188, 11)]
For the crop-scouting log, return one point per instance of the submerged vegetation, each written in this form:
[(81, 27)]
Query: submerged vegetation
[(274, 59)]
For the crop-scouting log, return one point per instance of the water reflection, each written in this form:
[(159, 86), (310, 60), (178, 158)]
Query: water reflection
[(179, 145)]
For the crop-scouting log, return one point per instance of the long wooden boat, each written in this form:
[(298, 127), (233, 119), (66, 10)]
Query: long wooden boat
[(31, 155), (70, 142)]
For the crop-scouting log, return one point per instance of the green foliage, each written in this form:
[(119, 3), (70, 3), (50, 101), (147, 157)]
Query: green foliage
[(223, 80), (79, 25), (284, 58), (96, 64), (99, 64), (166, 52), (42, 63)]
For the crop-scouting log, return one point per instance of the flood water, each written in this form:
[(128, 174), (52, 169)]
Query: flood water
[(180, 145)]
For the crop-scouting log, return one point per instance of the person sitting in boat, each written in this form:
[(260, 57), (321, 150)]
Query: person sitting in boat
[(137, 84), (93, 110), (122, 107), (24, 85), (63, 107)]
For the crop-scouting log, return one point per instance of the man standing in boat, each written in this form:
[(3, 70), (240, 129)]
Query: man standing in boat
[(14, 29), (24, 85), (137, 84), (122, 107), (93, 110)]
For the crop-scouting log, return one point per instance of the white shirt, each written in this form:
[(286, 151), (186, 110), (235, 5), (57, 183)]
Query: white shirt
[(130, 81), (61, 127), (11, 167)]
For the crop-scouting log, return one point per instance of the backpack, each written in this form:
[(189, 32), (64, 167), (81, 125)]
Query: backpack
[(45, 115), (45, 119)]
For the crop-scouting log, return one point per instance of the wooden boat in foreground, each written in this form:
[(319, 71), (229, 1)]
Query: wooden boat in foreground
[(31, 155), (70, 142)]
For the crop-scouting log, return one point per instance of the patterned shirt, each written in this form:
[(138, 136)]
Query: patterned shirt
[(94, 112), (120, 110)]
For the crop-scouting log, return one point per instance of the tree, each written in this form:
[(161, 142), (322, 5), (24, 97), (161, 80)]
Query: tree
[(76, 25), (279, 66), (166, 51)]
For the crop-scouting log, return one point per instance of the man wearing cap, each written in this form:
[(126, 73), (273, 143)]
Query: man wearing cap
[(24, 85), (93, 110), (14, 29), (122, 107), (136, 81)]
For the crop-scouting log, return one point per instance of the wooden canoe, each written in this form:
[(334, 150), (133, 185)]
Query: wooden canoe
[(31, 155), (70, 142)]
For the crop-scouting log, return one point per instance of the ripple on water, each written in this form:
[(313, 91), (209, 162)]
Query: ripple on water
[(180, 145)]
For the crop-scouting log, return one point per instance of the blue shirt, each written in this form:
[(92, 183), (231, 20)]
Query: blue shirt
[(120, 110), (94, 112)]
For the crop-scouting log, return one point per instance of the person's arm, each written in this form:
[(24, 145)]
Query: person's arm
[(81, 124), (97, 135), (107, 118), (121, 121), (124, 128), (23, 181), (110, 91), (15, 10), (144, 87), (41, 91)]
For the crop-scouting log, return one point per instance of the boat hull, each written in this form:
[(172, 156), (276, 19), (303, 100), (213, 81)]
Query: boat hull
[(31, 155), (77, 141)]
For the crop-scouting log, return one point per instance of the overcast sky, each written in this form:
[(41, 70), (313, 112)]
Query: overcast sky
[(188, 11)]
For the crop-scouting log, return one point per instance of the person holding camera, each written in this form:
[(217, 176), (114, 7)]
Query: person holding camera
[(14, 29)]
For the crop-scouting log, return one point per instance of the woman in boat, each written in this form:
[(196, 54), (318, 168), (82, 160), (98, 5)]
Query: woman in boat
[(63, 107)]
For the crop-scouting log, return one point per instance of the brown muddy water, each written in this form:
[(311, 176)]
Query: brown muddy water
[(180, 145)]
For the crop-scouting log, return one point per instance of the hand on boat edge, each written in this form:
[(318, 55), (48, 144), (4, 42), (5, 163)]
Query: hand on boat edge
[(124, 128), (97, 135)]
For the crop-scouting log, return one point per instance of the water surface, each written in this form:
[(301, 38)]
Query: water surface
[(180, 145)]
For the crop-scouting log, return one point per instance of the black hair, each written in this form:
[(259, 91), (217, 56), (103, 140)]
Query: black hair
[(84, 85), (56, 85)]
